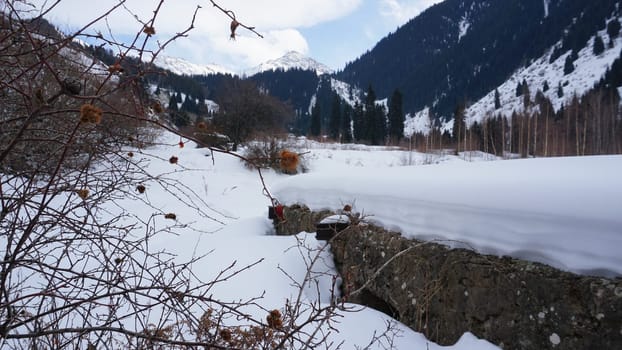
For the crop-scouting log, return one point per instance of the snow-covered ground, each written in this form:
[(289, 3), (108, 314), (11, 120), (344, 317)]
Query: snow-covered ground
[(563, 211)]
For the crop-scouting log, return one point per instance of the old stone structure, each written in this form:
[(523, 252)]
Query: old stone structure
[(444, 292)]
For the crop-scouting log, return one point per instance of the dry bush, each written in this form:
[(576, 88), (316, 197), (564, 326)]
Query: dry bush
[(261, 336), (263, 154), (206, 135), (273, 154)]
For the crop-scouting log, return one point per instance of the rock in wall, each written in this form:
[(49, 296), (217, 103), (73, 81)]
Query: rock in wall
[(443, 292), (298, 218)]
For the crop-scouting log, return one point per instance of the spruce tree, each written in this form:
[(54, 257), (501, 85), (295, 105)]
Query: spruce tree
[(545, 87), (497, 99), (613, 29), (375, 119), (519, 89), (370, 97), (358, 122), (526, 95), (560, 90), (396, 116), (599, 45), (379, 126), (189, 105), (172, 103), (316, 123), (539, 97), (335, 118), (369, 115), (568, 65)]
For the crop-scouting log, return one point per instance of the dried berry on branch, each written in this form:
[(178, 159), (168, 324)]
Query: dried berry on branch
[(274, 319), (83, 193), (149, 30), (234, 26), (90, 114)]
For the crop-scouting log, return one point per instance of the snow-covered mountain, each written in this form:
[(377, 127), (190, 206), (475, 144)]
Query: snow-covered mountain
[(473, 46), (183, 67), (290, 60), (589, 69), (541, 76)]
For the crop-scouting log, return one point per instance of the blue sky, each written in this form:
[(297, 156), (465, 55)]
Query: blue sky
[(341, 40), (330, 31), (337, 42)]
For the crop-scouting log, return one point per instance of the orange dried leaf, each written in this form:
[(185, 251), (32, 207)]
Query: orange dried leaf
[(90, 114), (157, 107), (115, 68), (289, 161), (83, 193)]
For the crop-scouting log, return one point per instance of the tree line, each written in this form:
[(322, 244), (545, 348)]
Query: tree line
[(589, 125), (368, 122)]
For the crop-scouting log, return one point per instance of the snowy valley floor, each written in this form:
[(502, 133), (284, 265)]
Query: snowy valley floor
[(561, 211)]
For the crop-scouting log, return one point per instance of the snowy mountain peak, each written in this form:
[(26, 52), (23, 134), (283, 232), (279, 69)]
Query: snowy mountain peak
[(290, 60), (182, 67)]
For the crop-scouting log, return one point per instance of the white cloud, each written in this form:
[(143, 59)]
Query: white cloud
[(298, 13), (277, 20), (244, 52), (119, 20), (265, 15), (401, 11)]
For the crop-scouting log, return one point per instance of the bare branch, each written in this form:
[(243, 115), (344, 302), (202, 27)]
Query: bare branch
[(234, 22)]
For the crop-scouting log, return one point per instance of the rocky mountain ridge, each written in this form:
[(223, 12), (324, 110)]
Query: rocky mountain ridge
[(291, 60)]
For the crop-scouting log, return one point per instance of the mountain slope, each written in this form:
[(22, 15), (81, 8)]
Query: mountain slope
[(539, 75), (180, 66), (459, 50)]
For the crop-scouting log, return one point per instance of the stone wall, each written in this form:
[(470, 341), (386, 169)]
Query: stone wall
[(444, 292)]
